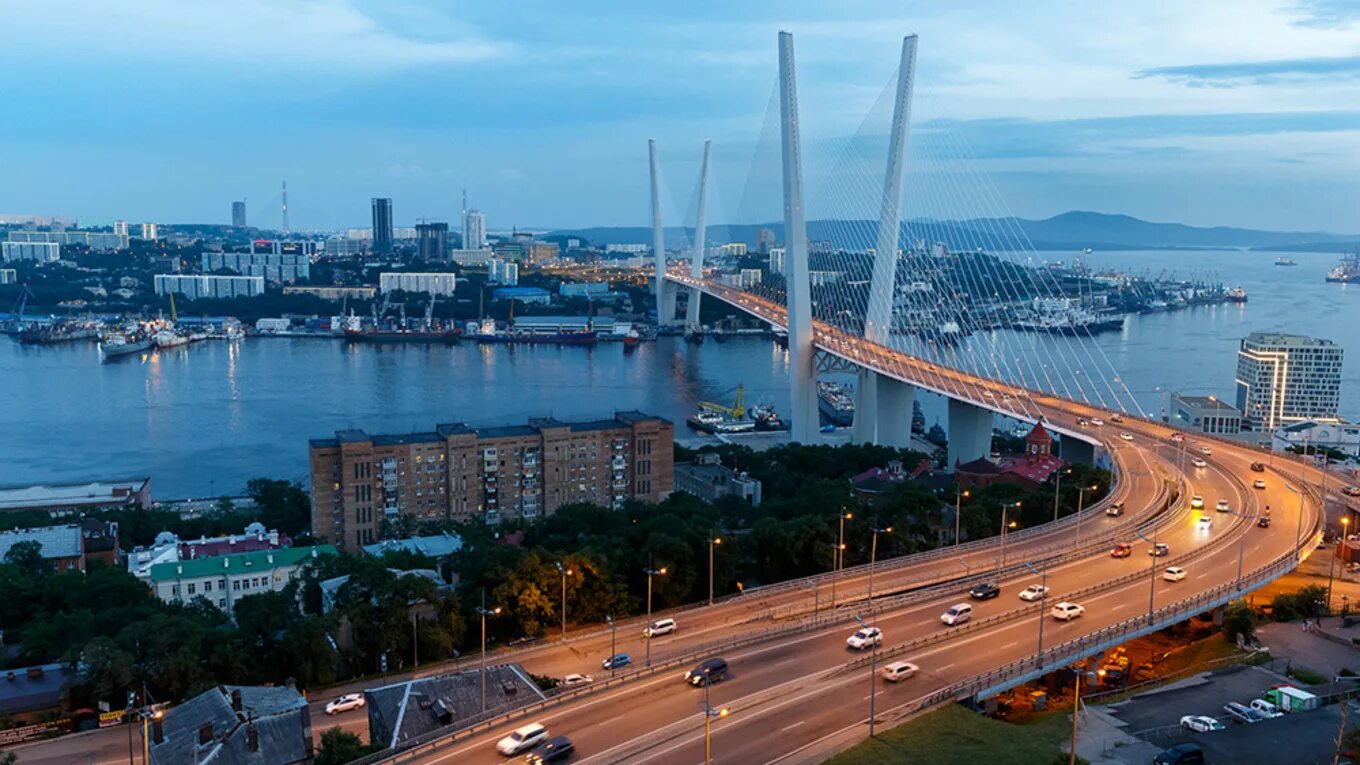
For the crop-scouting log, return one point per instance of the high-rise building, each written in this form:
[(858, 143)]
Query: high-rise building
[(504, 272), (437, 284), (474, 230), (197, 287), (1287, 378), (764, 241), (432, 242), (382, 225), (120, 227), (149, 231), (489, 474), (238, 214), (42, 252)]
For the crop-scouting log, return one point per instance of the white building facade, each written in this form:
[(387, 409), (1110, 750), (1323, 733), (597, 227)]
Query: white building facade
[(439, 284), (197, 287), (1283, 379)]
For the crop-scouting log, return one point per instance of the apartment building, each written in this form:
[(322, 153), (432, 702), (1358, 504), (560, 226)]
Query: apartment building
[(489, 473), (1283, 379)]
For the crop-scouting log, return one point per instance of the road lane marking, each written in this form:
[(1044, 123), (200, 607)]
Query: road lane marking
[(791, 727)]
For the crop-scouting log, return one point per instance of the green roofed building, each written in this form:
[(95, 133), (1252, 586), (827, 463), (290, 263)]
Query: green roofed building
[(225, 579)]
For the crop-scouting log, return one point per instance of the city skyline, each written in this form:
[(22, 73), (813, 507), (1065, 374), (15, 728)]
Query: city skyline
[(1170, 118)]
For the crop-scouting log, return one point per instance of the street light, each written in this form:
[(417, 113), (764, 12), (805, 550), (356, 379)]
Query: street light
[(958, 512), (1152, 580), (1057, 490), (613, 642), (1242, 547), (651, 572), (1076, 710), (565, 572), (838, 556), (1043, 600), (873, 670), (1331, 570), (485, 613), (709, 714), (712, 542), (1004, 509), (873, 555), (1081, 498)]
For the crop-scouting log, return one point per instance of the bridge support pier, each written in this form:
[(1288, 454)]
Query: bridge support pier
[(665, 308), (802, 367), (970, 432), (1077, 451), (883, 409)]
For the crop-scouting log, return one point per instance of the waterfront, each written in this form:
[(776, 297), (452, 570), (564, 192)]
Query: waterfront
[(205, 418)]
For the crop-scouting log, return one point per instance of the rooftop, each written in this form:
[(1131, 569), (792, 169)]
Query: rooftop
[(1206, 402), (279, 716), (29, 689), (56, 541), (436, 546), (402, 711), (249, 561), (70, 495), (621, 419)]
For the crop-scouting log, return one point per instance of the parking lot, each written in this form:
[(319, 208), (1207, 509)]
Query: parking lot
[(1296, 739)]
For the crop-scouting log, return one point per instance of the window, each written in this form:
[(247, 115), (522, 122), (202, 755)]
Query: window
[(193, 589), (207, 586), (236, 585)]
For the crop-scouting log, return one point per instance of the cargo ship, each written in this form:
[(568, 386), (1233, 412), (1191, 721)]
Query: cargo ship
[(400, 335), (1347, 271), (486, 331), (1285, 260), (836, 403), (61, 332)]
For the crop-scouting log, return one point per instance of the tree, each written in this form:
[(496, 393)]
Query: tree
[(284, 505), (339, 747), (1238, 620), (27, 557)]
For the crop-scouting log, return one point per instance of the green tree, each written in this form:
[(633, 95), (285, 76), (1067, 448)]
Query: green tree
[(339, 747), (27, 557), (284, 505), (1238, 619)]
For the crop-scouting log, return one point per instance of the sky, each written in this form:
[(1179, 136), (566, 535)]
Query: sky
[(1240, 112)]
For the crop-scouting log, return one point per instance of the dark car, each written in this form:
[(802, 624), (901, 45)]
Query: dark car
[(1184, 754), (555, 749), (708, 672), (617, 661), (1263, 521), (985, 591), (1257, 467)]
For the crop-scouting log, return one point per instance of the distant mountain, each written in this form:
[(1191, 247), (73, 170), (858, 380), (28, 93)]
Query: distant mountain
[(1069, 231)]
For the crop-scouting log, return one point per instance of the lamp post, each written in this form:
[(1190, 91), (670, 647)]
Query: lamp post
[(713, 542), (1303, 475), (485, 613), (838, 556), (873, 670), (873, 556), (1331, 570), (1057, 490), (1076, 710), (1004, 525), (709, 714), (1081, 498), (1043, 600), (613, 641), (651, 572), (565, 572), (1152, 579), (958, 512)]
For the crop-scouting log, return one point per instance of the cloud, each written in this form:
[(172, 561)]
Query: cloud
[(1327, 13), (1257, 72)]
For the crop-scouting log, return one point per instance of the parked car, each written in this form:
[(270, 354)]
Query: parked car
[(708, 672), (1222, 506), (1258, 484), (1266, 709), (1173, 574), (1205, 523), (984, 591), (1033, 592), (345, 703), (1121, 550), (898, 670), (1127, 436), (1197, 502), (1242, 713), (1199, 463), (617, 661), (660, 627), (1181, 754), (1258, 467), (573, 680), (1115, 509), (1066, 612), (555, 749), (957, 614), (1159, 550), (866, 637), (522, 738), (1201, 723)]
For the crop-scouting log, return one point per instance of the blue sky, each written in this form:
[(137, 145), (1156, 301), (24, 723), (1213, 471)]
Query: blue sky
[(1214, 113)]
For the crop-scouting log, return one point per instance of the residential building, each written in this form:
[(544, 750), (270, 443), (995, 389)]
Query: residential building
[(284, 247), (525, 295), (95, 240), (198, 287), (485, 473), (166, 264), (587, 290), (330, 591), (274, 267), (169, 548), (1287, 378), (8, 276), (437, 546), (234, 725), (474, 230), (764, 241), (30, 694), (77, 498), (39, 252), (1205, 414), (733, 249), (238, 214), (342, 247), (223, 580), (502, 272), (437, 284), (707, 479), (628, 249), (382, 225), (99, 540), (543, 252), (1341, 436), (401, 712), (334, 293), (749, 277), (466, 257), (61, 546), (120, 227), (776, 255), (150, 231), (511, 250), (432, 242)]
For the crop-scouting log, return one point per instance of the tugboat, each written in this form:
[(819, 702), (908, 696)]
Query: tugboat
[(1285, 260), (1235, 295), (631, 341)]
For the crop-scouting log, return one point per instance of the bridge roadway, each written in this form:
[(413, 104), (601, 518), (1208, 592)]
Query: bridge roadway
[(791, 694)]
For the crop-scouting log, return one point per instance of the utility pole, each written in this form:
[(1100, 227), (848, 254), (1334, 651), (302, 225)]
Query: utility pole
[(651, 572), (565, 572), (838, 558), (713, 541), (485, 613)]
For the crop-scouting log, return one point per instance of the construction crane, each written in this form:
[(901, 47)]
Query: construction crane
[(174, 315), (738, 409), (429, 313)]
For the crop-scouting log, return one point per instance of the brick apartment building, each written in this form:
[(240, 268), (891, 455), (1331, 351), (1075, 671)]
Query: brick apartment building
[(493, 474)]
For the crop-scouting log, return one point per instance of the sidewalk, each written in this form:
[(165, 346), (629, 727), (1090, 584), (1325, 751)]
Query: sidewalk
[(1325, 654)]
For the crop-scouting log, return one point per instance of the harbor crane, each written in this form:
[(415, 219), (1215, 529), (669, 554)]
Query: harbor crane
[(738, 409)]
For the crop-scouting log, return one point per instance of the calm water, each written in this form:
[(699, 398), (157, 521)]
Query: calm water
[(202, 420)]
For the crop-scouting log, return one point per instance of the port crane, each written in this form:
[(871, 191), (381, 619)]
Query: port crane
[(738, 409)]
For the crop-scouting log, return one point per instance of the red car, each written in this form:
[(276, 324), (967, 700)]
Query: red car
[(1121, 550)]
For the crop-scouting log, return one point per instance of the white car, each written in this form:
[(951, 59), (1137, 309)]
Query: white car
[(866, 637), (1115, 509), (1223, 507), (345, 703), (573, 680), (1173, 574), (1127, 436), (1205, 523), (1033, 592), (1066, 612), (661, 627), (898, 670), (1096, 421), (957, 614), (1201, 723), (1199, 463), (1258, 484), (1266, 709), (1197, 502), (1206, 451), (525, 737)]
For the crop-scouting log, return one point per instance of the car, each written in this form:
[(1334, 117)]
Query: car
[(1033, 592), (898, 670), (1258, 484), (1222, 506), (1206, 451), (1096, 421), (659, 627), (1201, 723), (1266, 709), (1205, 523), (1116, 417), (1258, 467), (1197, 502), (1121, 550), (1199, 463), (1127, 436), (522, 738), (1066, 612), (1173, 574), (866, 637), (555, 749), (1241, 713), (708, 672), (1115, 509), (345, 703), (573, 680), (1181, 754), (1082, 421), (1351, 491), (617, 661), (984, 591), (1177, 437), (957, 614), (1159, 550), (1263, 521)]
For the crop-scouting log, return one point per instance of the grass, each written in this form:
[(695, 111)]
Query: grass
[(1306, 676), (955, 736)]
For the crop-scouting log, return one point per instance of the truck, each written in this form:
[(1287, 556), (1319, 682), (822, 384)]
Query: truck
[(1290, 699)]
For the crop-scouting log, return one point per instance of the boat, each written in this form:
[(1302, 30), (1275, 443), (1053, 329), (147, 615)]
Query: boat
[(61, 332), (1285, 260), (781, 338), (631, 340), (1347, 271), (1071, 322), (566, 337), (117, 345), (1235, 295), (397, 335), (708, 421), (836, 403), (169, 338), (694, 336), (767, 419)]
